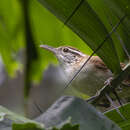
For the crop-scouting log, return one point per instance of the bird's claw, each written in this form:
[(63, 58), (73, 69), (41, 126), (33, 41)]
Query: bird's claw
[(108, 81)]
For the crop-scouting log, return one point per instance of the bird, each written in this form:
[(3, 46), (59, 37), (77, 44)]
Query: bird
[(94, 75)]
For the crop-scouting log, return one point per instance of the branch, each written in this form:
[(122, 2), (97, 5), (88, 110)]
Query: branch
[(114, 84)]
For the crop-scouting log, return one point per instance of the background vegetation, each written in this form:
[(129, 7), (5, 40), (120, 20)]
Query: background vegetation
[(24, 25)]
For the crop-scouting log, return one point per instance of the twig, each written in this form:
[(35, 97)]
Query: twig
[(114, 84)]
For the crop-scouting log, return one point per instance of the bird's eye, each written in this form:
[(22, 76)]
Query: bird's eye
[(65, 49)]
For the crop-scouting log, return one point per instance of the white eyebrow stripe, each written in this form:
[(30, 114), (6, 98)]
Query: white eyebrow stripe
[(76, 52)]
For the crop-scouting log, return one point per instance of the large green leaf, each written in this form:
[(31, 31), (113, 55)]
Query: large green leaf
[(110, 13), (119, 8), (86, 23), (80, 113), (108, 18)]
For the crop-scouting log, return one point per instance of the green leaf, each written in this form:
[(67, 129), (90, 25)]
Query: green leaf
[(119, 8), (109, 19), (125, 111), (80, 113), (110, 13), (7, 118), (86, 23), (25, 126)]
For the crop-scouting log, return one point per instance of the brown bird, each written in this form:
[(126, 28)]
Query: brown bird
[(93, 75)]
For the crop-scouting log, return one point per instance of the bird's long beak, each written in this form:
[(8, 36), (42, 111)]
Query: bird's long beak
[(49, 48)]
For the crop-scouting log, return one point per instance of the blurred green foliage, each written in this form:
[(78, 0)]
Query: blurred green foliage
[(11, 33), (26, 126), (46, 29)]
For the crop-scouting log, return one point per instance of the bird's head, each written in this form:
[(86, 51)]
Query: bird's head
[(65, 54)]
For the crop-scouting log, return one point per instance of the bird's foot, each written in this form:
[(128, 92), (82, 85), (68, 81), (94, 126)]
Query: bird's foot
[(108, 81)]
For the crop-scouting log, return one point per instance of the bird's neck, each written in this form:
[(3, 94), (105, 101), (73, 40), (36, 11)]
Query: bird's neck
[(71, 69)]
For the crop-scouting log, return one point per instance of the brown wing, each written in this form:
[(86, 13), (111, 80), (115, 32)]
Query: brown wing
[(99, 64)]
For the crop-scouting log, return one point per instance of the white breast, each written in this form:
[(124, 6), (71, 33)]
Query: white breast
[(89, 81)]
